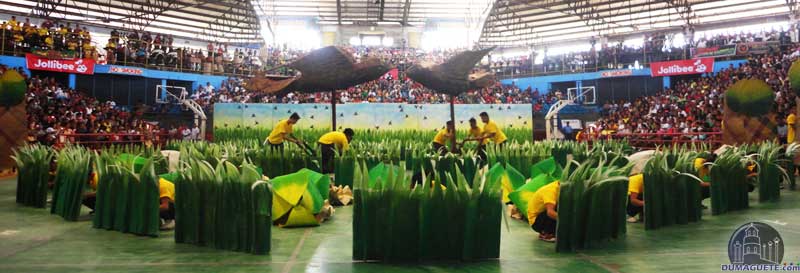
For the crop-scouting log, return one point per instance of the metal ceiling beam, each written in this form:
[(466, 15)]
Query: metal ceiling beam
[(794, 8), (222, 23), (493, 40), (339, 11), (380, 11), (114, 4), (45, 7), (406, 9), (194, 35), (567, 10), (683, 8), (630, 12), (549, 6), (749, 20)]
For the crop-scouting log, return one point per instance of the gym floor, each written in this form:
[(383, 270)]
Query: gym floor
[(32, 240)]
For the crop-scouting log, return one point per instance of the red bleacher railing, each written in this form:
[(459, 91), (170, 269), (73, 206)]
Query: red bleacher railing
[(100, 140), (651, 140)]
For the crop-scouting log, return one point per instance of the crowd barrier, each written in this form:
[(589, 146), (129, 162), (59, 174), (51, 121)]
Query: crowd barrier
[(100, 140), (653, 140)]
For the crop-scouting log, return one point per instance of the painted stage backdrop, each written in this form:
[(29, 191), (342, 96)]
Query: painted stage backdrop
[(376, 116)]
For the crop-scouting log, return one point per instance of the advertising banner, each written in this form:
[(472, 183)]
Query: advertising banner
[(757, 48), (716, 51), (133, 71), (78, 66), (682, 67), (616, 73)]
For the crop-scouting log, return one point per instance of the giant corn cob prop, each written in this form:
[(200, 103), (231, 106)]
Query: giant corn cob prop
[(12, 115), (747, 116)]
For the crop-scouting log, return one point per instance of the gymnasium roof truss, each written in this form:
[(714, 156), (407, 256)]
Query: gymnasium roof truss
[(231, 21), (541, 22), (371, 12)]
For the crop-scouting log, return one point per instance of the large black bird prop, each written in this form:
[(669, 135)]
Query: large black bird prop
[(325, 69), (453, 76)]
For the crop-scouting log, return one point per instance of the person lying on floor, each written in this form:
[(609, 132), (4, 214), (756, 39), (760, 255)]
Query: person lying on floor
[(636, 198), (542, 214), (166, 208)]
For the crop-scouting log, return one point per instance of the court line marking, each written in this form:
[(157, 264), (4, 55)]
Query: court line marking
[(292, 260)]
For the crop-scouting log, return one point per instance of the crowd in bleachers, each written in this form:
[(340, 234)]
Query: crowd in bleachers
[(599, 57), (54, 109), (145, 49), (68, 40), (729, 39), (383, 90), (617, 55), (687, 106), (694, 106)]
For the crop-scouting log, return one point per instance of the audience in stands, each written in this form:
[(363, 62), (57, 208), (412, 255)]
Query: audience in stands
[(695, 106), (53, 110), (383, 90), (25, 37)]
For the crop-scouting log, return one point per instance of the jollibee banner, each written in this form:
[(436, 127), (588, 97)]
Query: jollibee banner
[(79, 66), (682, 67)]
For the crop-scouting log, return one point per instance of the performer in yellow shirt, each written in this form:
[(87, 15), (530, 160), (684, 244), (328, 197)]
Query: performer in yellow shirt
[(282, 132), (475, 133), (703, 172), (166, 200), (441, 138), (491, 131), (330, 142), (542, 214), (635, 198)]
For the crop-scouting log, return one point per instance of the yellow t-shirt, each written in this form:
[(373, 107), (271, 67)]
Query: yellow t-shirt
[(475, 132), (441, 137), (166, 189), (636, 184), (790, 121), (337, 138), (490, 128), (281, 129), (544, 195), (702, 171), (93, 181)]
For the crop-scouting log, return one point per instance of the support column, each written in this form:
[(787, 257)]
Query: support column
[(72, 79), (164, 89)]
